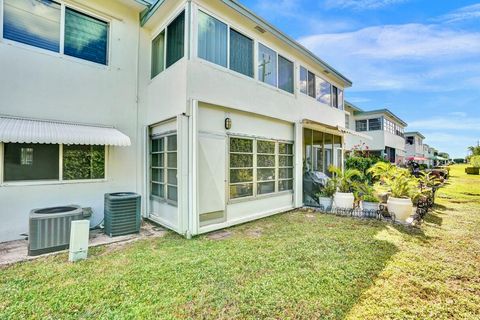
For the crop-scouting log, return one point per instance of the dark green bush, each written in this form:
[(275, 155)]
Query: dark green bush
[(363, 164)]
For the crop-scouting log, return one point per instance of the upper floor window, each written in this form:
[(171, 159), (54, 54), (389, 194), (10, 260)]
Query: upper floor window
[(241, 53), (212, 39), (361, 125), (38, 23), (410, 140), (275, 69), (374, 124), (165, 52), (347, 121), (320, 89), (267, 65)]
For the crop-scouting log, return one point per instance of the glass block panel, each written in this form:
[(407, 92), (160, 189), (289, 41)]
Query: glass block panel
[(285, 173), (285, 148), (266, 187), (158, 190), (241, 190), (285, 185), (172, 193), (157, 175), (241, 160), (172, 159), (265, 146), (285, 161), (241, 175), (241, 145), (172, 143), (265, 161), (265, 174)]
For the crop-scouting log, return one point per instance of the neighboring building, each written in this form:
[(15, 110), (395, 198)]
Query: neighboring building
[(383, 131), (414, 146), (224, 113), (428, 153)]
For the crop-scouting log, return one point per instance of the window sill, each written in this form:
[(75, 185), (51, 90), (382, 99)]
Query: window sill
[(49, 182), (260, 197)]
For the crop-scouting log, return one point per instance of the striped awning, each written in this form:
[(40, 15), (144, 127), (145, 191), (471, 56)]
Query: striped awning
[(354, 133), (23, 130)]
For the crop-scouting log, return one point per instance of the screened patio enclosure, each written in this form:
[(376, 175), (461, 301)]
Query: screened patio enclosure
[(321, 149)]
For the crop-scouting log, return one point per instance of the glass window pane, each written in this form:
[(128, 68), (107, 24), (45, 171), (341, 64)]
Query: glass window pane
[(241, 145), (265, 174), (340, 99), (285, 185), (241, 160), (317, 152), (176, 40), (241, 190), (158, 190), (285, 74), (85, 37), (172, 159), (83, 162), (267, 65), (241, 175), (266, 187), (285, 148), (285, 161), (311, 85), (157, 145), (323, 91), (265, 161), (361, 125), (172, 193), (212, 39), (158, 54), (375, 124), (157, 175), (172, 143), (265, 146), (43, 162), (33, 22), (285, 173), (241, 53), (157, 160), (328, 146), (303, 80), (172, 176), (334, 97)]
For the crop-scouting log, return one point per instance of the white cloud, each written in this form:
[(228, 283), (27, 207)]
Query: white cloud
[(361, 4), (462, 14), (454, 121), (408, 41)]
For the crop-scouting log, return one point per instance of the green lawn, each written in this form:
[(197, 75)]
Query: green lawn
[(294, 265)]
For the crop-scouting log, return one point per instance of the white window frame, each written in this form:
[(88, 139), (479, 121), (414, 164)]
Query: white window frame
[(331, 89), (165, 168), (60, 179), (163, 28), (63, 5), (255, 181), (255, 53)]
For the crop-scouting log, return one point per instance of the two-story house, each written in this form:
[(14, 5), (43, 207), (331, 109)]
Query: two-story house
[(384, 132), (414, 146), (209, 112)]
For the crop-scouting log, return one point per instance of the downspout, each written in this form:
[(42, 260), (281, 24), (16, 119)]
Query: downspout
[(191, 212)]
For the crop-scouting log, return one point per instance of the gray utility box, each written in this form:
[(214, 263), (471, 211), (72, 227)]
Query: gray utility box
[(49, 228), (122, 213)]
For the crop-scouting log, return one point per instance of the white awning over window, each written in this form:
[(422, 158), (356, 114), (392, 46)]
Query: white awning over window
[(354, 133), (22, 130)]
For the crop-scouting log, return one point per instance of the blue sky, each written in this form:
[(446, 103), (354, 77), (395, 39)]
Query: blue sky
[(419, 58)]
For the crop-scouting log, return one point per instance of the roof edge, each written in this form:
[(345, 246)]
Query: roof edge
[(386, 111), (411, 133)]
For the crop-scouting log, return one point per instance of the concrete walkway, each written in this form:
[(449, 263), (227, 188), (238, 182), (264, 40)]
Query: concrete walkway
[(16, 251)]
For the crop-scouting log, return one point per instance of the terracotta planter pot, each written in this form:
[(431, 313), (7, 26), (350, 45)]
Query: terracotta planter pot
[(401, 208), (344, 200)]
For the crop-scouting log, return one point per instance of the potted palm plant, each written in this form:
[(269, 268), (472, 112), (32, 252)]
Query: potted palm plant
[(345, 182), (325, 196), (402, 187), (370, 202)]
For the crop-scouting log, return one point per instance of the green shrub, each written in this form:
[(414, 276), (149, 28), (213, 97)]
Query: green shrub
[(363, 164), (475, 161)]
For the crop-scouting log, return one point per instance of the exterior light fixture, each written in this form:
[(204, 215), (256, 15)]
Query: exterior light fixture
[(228, 123)]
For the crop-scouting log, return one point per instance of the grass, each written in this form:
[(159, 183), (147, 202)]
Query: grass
[(296, 265)]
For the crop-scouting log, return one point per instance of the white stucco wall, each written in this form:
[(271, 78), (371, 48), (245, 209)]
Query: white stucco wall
[(41, 84)]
